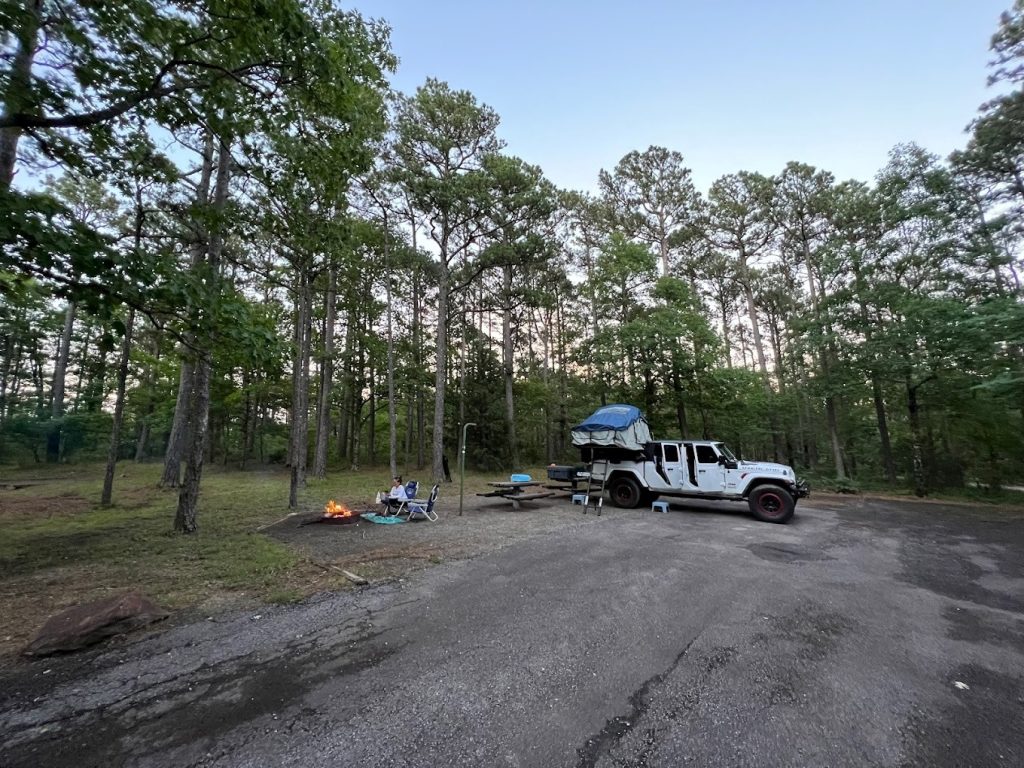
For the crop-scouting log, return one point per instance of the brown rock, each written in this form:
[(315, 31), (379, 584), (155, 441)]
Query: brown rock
[(88, 624)]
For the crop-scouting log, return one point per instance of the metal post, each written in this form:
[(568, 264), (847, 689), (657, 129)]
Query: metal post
[(462, 463)]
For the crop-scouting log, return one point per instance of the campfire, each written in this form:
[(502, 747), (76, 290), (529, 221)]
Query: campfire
[(334, 509), (335, 514)]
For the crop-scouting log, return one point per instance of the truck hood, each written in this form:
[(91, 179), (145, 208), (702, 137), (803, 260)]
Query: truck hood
[(765, 468)]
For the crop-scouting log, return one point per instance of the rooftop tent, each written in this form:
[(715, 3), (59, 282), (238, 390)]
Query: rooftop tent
[(622, 426)]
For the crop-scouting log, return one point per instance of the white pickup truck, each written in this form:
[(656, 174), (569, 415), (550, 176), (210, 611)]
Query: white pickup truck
[(700, 469), (615, 441)]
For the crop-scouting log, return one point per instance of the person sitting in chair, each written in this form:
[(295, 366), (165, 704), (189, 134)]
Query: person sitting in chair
[(395, 496)]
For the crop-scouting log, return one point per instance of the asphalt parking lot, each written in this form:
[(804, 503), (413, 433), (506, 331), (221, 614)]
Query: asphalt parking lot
[(864, 633)]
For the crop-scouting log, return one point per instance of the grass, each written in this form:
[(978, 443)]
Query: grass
[(868, 486), (59, 548)]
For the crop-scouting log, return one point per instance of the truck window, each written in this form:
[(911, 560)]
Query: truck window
[(706, 455), (671, 454)]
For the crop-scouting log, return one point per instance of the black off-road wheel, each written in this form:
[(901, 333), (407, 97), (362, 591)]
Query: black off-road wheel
[(771, 504), (625, 492)]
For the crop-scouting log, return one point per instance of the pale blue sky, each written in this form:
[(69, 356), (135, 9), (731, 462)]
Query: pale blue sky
[(732, 84)]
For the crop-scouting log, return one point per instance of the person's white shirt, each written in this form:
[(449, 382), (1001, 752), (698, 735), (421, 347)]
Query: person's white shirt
[(398, 493)]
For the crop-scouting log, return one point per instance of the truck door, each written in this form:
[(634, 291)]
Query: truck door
[(710, 474), (674, 469), (691, 465)]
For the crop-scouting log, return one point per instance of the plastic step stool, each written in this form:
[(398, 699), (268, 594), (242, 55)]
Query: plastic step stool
[(659, 506), (579, 498)]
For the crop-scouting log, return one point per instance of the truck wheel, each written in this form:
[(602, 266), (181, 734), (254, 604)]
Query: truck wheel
[(625, 492), (771, 504)]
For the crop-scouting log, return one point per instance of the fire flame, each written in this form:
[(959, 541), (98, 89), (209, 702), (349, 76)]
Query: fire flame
[(334, 509)]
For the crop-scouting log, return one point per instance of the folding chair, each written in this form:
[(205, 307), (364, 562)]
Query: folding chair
[(418, 510), (411, 489)]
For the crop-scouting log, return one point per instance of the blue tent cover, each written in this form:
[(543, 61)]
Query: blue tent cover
[(617, 425), (614, 417)]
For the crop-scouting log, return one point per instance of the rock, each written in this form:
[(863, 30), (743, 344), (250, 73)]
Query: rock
[(88, 624)]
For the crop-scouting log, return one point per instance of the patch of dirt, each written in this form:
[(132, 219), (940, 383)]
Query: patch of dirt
[(379, 552), (18, 504)]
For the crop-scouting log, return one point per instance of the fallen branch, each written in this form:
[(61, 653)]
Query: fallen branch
[(355, 578), (269, 525)]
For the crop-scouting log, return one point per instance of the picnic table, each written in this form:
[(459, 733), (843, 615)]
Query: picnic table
[(515, 491)]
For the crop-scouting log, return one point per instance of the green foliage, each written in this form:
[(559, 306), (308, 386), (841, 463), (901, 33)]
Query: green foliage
[(1008, 46), (867, 330)]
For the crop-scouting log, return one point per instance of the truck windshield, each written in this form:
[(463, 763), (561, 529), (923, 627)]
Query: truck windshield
[(724, 450)]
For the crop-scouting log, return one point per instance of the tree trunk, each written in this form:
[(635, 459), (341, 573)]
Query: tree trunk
[(833, 436), (371, 405), (122, 371), (677, 391), (392, 414), (344, 415), (300, 389), (421, 405), (883, 430), (296, 347), (247, 411), (755, 329), (358, 385), (726, 342), (115, 431), (60, 370), (809, 433), (507, 365), (563, 396), (186, 516), (542, 330), (441, 372), (369, 383), (5, 373), (916, 451), (91, 395), (323, 416), (149, 384), (19, 87), (180, 426)]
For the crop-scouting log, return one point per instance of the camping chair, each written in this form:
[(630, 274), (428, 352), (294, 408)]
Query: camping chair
[(411, 488), (418, 510)]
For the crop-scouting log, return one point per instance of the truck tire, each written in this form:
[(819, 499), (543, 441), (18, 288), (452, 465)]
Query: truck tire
[(771, 504), (625, 492)]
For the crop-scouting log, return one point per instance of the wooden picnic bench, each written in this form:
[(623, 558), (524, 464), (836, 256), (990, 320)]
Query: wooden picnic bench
[(515, 491)]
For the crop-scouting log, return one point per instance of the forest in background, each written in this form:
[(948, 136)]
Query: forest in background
[(226, 240)]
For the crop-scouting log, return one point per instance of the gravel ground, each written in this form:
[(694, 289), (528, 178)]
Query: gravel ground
[(391, 551), (866, 632)]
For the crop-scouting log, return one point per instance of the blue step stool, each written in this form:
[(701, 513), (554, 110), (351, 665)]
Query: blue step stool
[(579, 498), (661, 506)]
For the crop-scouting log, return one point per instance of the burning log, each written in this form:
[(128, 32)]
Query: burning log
[(335, 513), (334, 509)]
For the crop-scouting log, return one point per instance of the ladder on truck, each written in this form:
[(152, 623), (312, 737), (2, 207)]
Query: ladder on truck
[(592, 486)]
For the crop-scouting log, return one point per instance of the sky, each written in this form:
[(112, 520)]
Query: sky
[(731, 84)]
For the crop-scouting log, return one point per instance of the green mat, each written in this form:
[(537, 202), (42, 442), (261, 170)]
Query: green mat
[(373, 517)]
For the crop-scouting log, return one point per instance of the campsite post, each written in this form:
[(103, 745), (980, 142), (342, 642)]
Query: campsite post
[(462, 463)]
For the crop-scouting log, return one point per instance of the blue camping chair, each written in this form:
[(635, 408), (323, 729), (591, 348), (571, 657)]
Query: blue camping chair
[(411, 488), (402, 507), (418, 510)]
